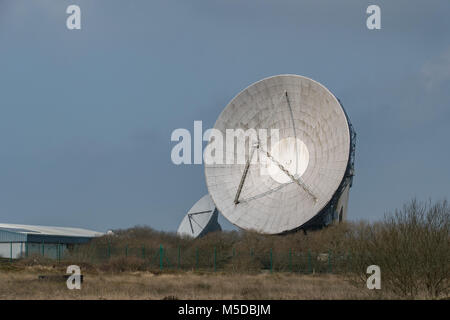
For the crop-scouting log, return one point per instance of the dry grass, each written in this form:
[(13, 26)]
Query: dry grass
[(24, 284), (411, 246)]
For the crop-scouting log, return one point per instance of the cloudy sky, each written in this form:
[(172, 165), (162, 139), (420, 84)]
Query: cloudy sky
[(86, 115)]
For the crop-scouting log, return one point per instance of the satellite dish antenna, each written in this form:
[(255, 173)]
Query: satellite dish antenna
[(200, 219), (299, 179)]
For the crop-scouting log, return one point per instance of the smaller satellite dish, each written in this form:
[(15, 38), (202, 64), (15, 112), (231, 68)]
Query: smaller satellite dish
[(200, 219)]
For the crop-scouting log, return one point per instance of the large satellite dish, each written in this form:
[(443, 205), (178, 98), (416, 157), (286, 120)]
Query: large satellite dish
[(299, 180), (200, 219)]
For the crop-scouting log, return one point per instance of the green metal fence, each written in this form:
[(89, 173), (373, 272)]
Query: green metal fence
[(142, 257)]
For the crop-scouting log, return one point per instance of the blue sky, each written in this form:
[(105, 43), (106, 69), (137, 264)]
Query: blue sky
[(86, 116)]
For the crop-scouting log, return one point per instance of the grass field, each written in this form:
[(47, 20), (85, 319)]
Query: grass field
[(24, 284)]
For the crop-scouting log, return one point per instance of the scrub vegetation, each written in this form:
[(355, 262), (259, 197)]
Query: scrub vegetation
[(410, 245)]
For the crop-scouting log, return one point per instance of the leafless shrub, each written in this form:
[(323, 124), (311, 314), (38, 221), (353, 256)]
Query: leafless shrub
[(122, 264), (411, 246)]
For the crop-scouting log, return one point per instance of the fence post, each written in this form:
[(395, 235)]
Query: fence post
[(43, 250), (290, 260), (309, 262), (214, 259), (92, 253), (196, 258), (10, 251), (348, 262), (271, 261), (26, 249), (330, 270), (161, 254)]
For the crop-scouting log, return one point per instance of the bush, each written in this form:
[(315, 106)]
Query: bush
[(122, 264), (411, 246)]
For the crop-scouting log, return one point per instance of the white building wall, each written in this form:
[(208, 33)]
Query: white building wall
[(20, 250)]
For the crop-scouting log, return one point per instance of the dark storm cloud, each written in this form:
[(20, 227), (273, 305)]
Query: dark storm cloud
[(86, 116)]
